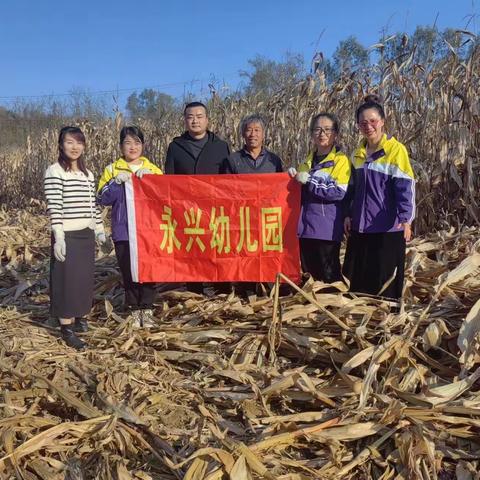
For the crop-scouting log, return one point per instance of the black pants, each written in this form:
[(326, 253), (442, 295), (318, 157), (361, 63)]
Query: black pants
[(371, 260), (138, 296), (321, 258)]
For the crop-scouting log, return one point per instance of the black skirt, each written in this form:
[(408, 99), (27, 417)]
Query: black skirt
[(371, 260), (72, 281)]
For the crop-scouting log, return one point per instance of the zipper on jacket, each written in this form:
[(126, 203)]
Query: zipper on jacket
[(197, 160), (316, 168), (364, 200)]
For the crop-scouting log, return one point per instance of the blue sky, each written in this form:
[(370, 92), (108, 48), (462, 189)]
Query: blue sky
[(51, 46)]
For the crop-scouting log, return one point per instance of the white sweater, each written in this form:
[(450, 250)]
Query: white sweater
[(71, 200)]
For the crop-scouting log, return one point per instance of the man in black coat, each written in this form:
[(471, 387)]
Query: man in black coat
[(197, 151)]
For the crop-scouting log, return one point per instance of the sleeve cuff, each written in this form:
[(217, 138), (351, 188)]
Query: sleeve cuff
[(58, 233)]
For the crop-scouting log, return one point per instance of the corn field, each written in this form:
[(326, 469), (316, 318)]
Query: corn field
[(311, 385), (436, 114)]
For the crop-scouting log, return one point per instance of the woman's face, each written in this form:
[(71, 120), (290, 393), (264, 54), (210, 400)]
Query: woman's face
[(371, 125), (132, 148), (72, 148), (324, 134)]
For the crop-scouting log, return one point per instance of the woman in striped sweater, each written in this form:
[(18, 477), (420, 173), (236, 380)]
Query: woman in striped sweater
[(76, 222)]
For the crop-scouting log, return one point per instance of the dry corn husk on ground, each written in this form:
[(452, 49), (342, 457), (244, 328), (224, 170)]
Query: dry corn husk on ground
[(311, 385)]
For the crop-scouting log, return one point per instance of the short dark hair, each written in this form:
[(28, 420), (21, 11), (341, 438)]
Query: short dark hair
[(330, 116), (371, 101), (63, 160), (195, 104), (133, 131)]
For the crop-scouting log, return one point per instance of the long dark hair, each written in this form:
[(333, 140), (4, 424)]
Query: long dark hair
[(371, 101), (63, 160)]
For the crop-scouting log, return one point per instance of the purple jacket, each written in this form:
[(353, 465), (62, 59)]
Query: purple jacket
[(383, 188), (322, 206), (112, 194)]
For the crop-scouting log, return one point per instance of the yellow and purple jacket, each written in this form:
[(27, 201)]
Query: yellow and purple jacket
[(111, 193), (322, 196), (383, 193)]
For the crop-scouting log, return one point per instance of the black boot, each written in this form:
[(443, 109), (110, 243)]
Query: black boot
[(52, 322), (81, 325), (70, 338)]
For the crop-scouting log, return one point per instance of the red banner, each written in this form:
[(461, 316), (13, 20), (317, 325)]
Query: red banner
[(213, 228)]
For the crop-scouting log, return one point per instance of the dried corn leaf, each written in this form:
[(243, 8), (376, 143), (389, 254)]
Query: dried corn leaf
[(468, 337)]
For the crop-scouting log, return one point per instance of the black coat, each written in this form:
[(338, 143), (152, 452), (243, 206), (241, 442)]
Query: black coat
[(180, 160)]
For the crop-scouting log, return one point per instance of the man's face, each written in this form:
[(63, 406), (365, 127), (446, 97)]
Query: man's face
[(253, 135), (196, 121)]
